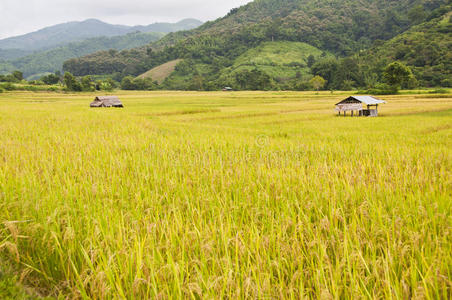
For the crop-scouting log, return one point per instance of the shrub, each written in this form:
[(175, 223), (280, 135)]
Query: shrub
[(53, 89), (8, 86), (50, 79), (439, 91), (446, 82), (130, 83), (381, 89), (396, 74), (30, 88)]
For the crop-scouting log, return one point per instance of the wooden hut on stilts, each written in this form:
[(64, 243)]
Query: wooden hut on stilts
[(363, 106)]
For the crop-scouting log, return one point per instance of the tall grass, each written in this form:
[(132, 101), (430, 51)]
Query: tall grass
[(254, 195)]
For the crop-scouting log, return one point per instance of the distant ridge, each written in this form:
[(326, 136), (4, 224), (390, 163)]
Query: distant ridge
[(185, 24), (45, 50), (58, 35)]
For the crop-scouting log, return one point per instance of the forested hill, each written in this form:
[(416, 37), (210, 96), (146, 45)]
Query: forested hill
[(39, 63), (426, 48), (338, 27)]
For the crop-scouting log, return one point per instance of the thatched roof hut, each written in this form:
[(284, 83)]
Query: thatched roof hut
[(106, 101)]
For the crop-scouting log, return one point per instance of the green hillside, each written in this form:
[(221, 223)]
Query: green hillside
[(6, 67), (426, 48), (52, 60), (281, 60), (211, 53)]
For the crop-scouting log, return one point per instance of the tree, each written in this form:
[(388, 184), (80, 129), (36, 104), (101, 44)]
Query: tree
[(18, 75), (253, 80), (105, 85), (395, 74), (317, 82), (127, 83), (197, 83), (417, 14), (130, 83), (71, 83), (328, 69), (311, 60), (87, 84), (50, 79)]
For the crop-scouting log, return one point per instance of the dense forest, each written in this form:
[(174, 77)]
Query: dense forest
[(357, 39)]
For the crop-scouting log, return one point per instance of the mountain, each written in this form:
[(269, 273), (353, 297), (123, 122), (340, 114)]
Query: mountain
[(344, 28), (38, 63), (61, 34), (185, 24), (10, 54), (45, 50)]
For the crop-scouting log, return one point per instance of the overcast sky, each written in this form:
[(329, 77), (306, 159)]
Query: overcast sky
[(23, 16)]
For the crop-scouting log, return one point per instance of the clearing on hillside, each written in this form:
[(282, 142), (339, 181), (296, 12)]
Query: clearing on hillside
[(161, 72), (278, 59)]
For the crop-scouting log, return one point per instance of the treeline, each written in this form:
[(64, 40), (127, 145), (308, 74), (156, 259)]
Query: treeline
[(56, 82), (16, 81), (14, 77)]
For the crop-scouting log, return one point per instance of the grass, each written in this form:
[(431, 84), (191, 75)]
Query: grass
[(161, 72), (277, 59), (226, 195)]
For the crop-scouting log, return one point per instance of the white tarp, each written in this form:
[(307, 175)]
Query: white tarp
[(349, 106)]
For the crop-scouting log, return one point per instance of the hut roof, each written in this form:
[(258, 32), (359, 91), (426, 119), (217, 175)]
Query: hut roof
[(368, 100), (106, 101)]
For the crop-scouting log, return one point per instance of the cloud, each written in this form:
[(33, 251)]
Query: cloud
[(19, 17)]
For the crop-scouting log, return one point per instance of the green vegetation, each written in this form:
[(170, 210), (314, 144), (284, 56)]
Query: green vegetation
[(253, 80), (425, 48), (15, 77), (360, 34), (317, 82), (88, 84), (226, 195), (57, 82), (51, 78), (396, 74), (130, 83), (51, 60), (10, 290), (280, 60)]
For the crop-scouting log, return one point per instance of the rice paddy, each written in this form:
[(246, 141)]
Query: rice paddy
[(264, 195)]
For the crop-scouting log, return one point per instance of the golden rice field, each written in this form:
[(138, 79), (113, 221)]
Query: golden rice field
[(247, 195)]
